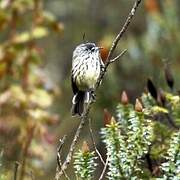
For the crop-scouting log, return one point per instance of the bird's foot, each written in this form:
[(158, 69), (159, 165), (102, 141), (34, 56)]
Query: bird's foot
[(93, 96)]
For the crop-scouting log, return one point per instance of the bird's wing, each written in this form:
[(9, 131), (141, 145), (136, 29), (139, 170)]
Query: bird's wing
[(74, 87), (102, 64)]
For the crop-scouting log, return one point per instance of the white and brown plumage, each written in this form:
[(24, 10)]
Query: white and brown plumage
[(86, 69)]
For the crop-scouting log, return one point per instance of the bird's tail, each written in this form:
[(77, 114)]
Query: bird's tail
[(78, 103)]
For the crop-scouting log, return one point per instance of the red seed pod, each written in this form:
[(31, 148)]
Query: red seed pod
[(85, 147), (107, 117), (124, 98), (138, 106)]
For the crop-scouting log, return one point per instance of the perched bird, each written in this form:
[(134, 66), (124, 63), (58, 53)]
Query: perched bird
[(86, 68)]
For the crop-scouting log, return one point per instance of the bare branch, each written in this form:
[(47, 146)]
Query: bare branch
[(94, 144), (59, 150), (117, 39), (72, 147), (123, 29), (119, 56), (104, 169), (85, 115)]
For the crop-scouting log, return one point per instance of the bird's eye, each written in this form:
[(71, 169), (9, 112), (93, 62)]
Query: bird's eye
[(93, 48), (90, 47)]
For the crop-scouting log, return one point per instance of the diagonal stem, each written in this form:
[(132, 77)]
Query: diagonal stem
[(85, 116)]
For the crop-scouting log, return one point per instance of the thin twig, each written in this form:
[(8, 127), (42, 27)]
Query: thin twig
[(16, 165), (117, 39), (59, 150), (104, 169), (72, 147), (123, 30), (94, 144), (119, 56), (84, 117)]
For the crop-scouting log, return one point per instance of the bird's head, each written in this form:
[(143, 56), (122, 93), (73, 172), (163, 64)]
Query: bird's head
[(87, 48)]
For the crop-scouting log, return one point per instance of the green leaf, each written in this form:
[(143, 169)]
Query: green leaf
[(158, 109)]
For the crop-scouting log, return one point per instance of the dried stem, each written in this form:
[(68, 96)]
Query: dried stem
[(123, 30), (94, 144), (119, 56), (59, 172), (117, 39), (104, 169), (85, 116), (59, 150)]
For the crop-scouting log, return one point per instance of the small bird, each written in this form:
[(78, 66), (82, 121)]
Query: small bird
[(86, 68)]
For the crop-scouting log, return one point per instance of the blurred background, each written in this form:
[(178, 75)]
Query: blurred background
[(37, 39)]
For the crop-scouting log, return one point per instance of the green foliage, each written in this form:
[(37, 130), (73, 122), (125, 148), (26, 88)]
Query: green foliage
[(139, 137), (174, 106), (167, 114), (127, 141), (84, 164), (171, 168), (115, 150)]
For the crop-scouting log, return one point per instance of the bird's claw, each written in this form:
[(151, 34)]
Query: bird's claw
[(93, 96)]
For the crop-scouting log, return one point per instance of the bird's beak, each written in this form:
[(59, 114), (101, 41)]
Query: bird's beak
[(99, 48)]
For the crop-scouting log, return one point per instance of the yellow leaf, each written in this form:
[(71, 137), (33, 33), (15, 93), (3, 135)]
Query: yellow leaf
[(38, 114), (37, 33), (40, 98), (18, 95)]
